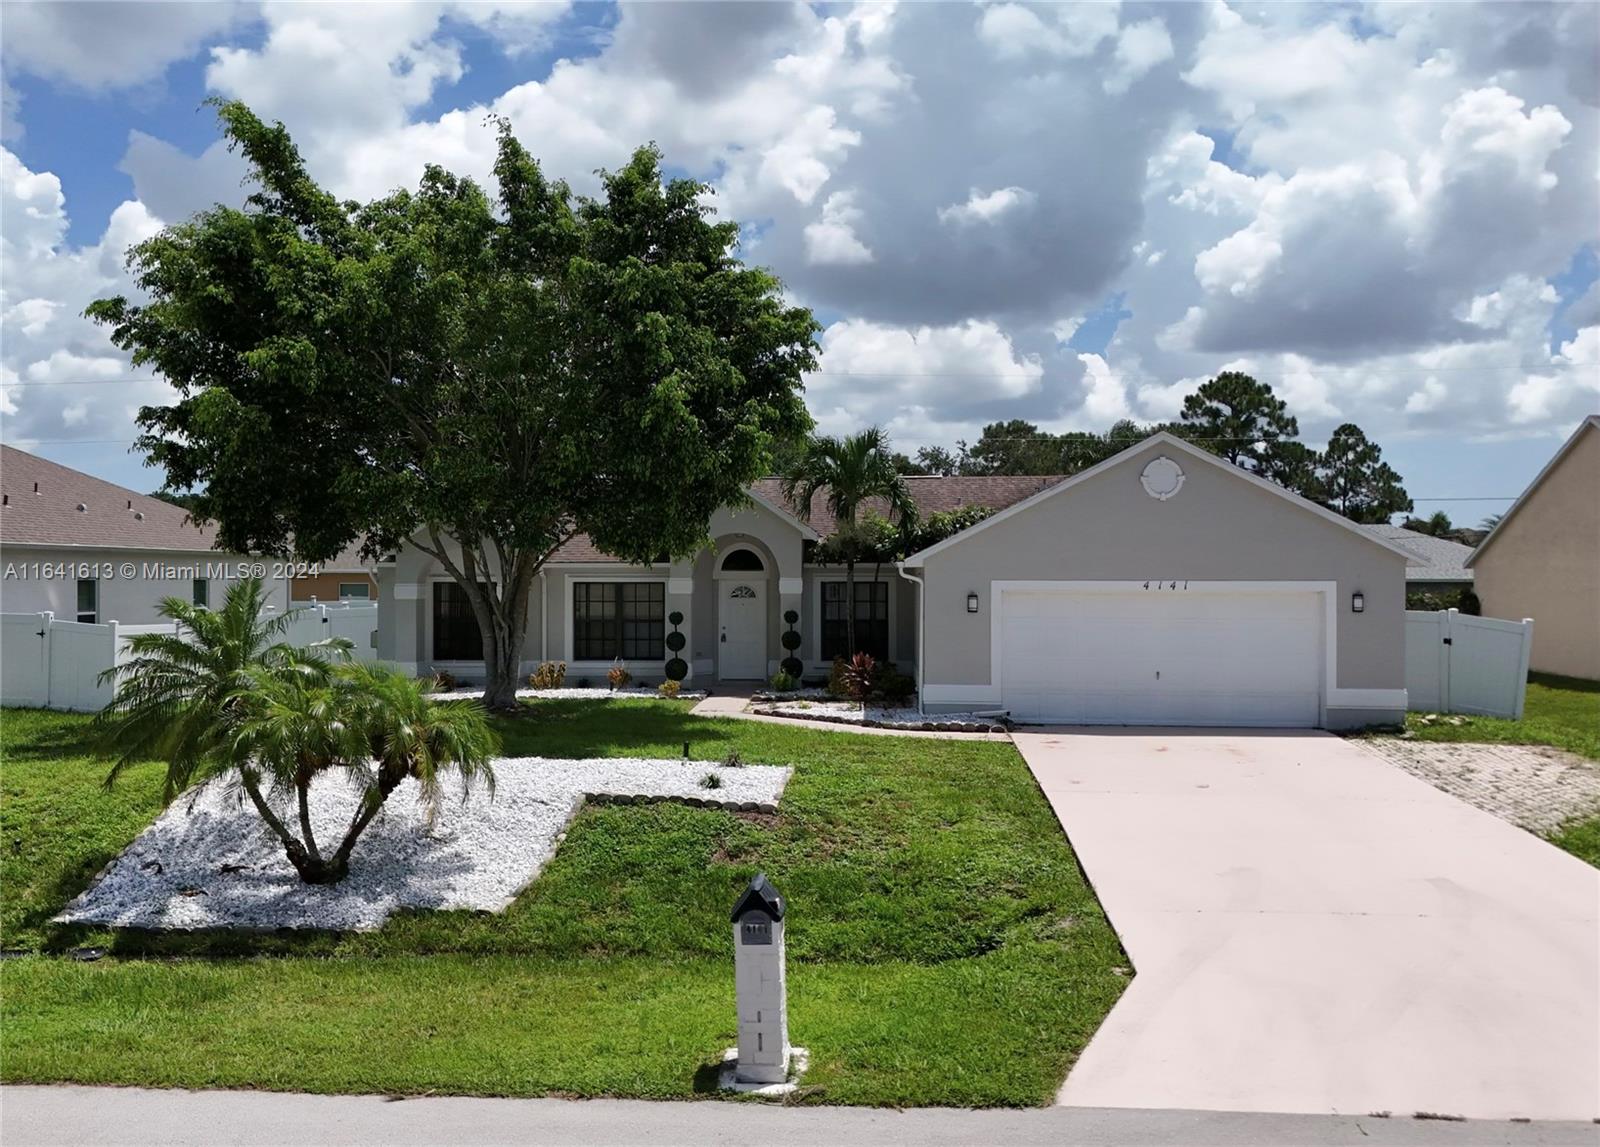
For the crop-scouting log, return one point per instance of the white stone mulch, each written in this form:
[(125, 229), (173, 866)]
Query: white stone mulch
[(880, 716), (208, 861), (573, 694), (1536, 788)]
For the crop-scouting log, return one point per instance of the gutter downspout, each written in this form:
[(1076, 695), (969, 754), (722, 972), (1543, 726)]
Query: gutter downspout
[(922, 606)]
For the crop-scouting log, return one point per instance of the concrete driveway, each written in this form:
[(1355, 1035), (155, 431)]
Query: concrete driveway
[(1314, 930)]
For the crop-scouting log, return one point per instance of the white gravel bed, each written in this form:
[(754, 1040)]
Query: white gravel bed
[(1534, 787), (880, 716), (209, 862), (574, 694)]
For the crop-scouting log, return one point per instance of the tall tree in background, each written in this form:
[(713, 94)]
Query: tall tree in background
[(1436, 524), (849, 473), (1240, 419), (480, 378), (1352, 478), (1016, 446)]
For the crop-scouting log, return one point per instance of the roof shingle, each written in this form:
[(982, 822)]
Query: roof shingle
[(41, 508)]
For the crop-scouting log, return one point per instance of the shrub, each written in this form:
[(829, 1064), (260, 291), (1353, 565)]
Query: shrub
[(618, 675), (733, 760), (892, 686), (859, 676), (784, 682), (836, 678), (549, 675), (711, 781), (668, 689), (443, 681)]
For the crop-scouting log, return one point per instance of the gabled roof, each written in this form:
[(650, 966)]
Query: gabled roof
[(41, 509), (1172, 441), (761, 895), (1437, 559), (1590, 423)]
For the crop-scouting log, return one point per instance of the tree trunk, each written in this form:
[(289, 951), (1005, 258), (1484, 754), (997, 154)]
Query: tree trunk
[(500, 664)]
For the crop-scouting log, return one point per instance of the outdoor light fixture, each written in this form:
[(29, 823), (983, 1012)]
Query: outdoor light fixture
[(1358, 602), (972, 603)]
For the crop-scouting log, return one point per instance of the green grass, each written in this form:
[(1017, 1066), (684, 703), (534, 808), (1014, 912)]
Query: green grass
[(943, 946), (1562, 712), (1581, 838)]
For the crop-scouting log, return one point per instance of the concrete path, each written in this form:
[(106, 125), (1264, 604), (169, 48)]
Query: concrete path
[(733, 705), (1314, 930), (94, 1117)]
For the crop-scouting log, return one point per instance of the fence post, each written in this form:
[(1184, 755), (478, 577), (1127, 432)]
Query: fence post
[(47, 621), (1447, 643), (1522, 667)]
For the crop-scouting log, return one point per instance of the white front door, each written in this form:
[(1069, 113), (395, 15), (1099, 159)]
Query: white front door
[(742, 641)]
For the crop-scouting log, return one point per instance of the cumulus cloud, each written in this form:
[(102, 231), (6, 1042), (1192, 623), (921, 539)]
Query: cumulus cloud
[(1140, 47), (105, 44), (832, 238), (986, 208)]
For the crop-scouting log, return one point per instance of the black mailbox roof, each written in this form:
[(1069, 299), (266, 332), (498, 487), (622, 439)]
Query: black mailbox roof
[(760, 895)]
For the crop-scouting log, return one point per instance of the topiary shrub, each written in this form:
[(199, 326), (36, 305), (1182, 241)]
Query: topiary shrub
[(676, 667), (792, 664)]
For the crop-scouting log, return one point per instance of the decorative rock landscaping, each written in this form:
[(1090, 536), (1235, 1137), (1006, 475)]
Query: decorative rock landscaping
[(577, 693), (209, 862), (880, 716)]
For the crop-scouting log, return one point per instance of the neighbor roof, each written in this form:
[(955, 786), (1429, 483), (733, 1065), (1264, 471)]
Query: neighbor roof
[(1437, 559), (931, 494), (1590, 423), (1161, 438), (41, 508)]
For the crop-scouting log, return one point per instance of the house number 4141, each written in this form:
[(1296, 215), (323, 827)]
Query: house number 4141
[(1165, 584)]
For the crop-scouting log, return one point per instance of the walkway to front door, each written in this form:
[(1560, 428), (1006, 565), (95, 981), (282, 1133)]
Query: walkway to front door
[(1314, 930), (742, 630)]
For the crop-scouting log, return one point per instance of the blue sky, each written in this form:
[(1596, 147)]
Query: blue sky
[(1068, 214)]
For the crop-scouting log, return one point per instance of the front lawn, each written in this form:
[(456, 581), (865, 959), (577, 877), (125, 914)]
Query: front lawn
[(943, 946), (1562, 712)]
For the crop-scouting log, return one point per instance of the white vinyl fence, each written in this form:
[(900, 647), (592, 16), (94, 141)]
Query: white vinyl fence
[(1457, 663), (50, 664)]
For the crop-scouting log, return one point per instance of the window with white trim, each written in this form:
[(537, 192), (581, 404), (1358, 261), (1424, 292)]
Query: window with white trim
[(200, 594), (456, 636), (612, 619), (89, 599), (359, 590)]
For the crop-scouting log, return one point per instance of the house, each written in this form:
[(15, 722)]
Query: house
[(1163, 586), (89, 550), (346, 577), (1438, 564), (1542, 559)]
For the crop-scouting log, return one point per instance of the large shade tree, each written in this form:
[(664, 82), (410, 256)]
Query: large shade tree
[(1352, 478), (1242, 420), (482, 378), (849, 474)]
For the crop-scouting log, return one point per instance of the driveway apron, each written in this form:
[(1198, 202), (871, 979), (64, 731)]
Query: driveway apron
[(1314, 930)]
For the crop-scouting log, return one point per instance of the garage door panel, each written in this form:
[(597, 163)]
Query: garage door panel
[(1161, 657)]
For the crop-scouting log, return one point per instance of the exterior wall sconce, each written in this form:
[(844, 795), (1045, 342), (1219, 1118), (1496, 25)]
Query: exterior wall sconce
[(1358, 602), (972, 603)]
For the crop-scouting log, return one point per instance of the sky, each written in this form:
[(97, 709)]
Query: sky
[(1066, 213)]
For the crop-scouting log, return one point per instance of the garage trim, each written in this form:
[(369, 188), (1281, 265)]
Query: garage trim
[(1332, 697)]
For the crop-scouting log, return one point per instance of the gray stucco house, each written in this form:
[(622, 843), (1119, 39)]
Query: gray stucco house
[(1163, 586)]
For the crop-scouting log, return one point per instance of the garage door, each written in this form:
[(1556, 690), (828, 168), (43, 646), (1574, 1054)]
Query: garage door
[(1168, 657)]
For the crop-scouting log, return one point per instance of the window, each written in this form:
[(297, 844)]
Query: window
[(743, 561), (625, 619), (360, 590), (202, 592), (872, 620), (455, 627), (88, 600)]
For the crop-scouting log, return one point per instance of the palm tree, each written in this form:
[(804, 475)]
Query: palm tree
[(1490, 522), (849, 472), (181, 694), (375, 725)]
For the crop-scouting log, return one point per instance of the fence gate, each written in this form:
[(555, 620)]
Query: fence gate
[(1457, 663)]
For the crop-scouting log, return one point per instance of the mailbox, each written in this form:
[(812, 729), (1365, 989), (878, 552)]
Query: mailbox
[(758, 985)]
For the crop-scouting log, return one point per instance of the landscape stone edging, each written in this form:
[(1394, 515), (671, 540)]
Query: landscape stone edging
[(930, 726)]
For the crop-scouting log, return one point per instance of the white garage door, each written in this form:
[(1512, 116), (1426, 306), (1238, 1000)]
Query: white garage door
[(1168, 657)]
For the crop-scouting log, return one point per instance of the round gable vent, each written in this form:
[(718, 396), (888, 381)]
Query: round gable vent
[(1162, 478), (82, 507)]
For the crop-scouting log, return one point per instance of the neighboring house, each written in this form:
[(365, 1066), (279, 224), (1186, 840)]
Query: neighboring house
[(89, 550), (347, 577), (1542, 560), (1438, 564), (1163, 586)]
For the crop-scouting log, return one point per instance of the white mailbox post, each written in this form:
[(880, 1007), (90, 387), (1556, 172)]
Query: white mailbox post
[(758, 986)]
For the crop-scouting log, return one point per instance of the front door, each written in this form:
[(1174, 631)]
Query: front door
[(742, 642)]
